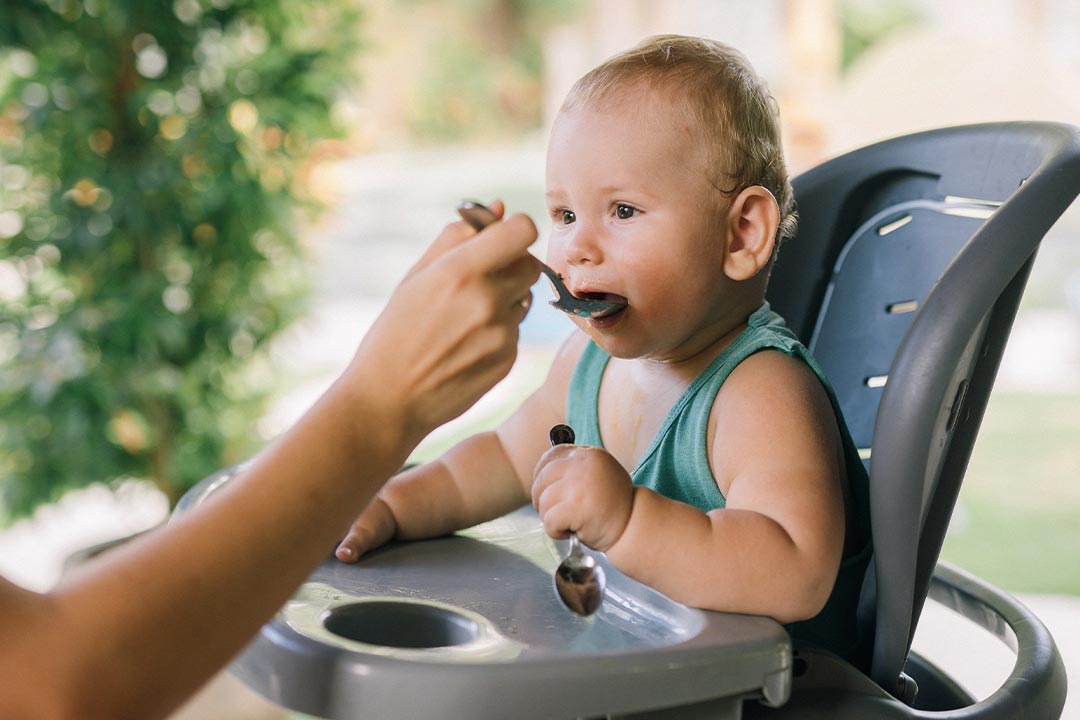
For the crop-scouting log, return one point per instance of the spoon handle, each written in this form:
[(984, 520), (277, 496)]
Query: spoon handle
[(561, 435), (477, 215), (575, 547), (564, 435), (579, 581)]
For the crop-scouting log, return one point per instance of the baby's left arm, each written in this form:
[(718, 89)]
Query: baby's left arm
[(775, 549)]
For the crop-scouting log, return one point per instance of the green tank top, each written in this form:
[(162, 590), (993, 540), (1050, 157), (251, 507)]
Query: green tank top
[(676, 464)]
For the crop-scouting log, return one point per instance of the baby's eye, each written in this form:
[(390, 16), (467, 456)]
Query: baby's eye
[(624, 211), (566, 217)]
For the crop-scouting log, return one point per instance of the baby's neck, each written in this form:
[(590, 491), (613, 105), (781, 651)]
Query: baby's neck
[(693, 359), (648, 387), (695, 354)]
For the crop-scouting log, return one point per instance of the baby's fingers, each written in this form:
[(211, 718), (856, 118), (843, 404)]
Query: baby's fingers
[(557, 515), (372, 529), (549, 470), (355, 544)]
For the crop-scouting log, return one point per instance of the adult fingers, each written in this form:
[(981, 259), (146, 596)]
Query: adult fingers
[(453, 235), (495, 299), (498, 255), (498, 246), (453, 324), (522, 272), (515, 284), (519, 308), (497, 207)]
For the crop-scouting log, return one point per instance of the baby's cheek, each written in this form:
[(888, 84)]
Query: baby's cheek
[(556, 253)]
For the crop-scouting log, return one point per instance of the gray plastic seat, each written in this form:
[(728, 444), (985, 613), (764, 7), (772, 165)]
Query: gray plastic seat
[(904, 280)]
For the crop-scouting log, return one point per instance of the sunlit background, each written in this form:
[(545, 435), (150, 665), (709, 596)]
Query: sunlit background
[(182, 275)]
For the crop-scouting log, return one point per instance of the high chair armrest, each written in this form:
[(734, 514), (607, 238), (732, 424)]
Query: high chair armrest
[(1035, 688)]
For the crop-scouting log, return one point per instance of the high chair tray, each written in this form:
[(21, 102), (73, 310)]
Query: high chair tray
[(469, 626)]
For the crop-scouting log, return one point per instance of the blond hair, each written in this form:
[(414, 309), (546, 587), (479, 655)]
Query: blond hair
[(736, 115)]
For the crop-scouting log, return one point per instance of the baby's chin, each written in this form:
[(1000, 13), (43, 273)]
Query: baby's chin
[(612, 340)]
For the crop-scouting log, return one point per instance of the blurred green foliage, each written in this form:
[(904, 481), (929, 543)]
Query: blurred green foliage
[(482, 72), (1015, 522), (864, 23), (153, 158)]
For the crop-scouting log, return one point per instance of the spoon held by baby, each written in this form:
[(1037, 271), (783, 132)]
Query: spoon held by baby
[(579, 580)]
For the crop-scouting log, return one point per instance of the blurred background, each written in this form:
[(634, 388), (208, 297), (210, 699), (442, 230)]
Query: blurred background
[(205, 203)]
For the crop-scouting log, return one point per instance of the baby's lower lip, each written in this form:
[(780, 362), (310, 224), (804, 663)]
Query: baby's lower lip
[(609, 320)]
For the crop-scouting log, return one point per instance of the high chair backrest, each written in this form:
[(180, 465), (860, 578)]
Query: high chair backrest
[(904, 279)]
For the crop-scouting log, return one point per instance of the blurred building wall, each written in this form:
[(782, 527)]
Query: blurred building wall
[(966, 62), (606, 27), (793, 44)]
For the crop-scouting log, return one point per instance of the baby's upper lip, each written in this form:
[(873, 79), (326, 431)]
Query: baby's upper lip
[(588, 291), (591, 291)]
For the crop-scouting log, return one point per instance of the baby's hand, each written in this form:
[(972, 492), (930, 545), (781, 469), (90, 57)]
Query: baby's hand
[(582, 490), (375, 526)]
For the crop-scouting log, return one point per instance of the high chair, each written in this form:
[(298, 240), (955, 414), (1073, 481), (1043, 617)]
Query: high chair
[(904, 278), (910, 261)]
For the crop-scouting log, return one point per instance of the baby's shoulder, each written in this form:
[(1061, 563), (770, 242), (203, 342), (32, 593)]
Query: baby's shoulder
[(570, 351), (775, 410), (568, 355), (563, 364), (772, 380)]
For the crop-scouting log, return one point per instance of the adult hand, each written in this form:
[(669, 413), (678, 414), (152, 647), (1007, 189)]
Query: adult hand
[(144, 626), (583, 490), (450, 330)]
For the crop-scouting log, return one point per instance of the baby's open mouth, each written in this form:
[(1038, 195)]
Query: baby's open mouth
[(618, 303)]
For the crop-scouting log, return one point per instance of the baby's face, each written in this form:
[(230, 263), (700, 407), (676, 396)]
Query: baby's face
[(634, 215)]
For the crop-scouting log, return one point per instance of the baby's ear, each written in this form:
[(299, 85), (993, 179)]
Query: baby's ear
[(750, 234)]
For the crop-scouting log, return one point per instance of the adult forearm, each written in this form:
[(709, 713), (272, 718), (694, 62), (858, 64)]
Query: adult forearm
[(233, 562), (141, 628)]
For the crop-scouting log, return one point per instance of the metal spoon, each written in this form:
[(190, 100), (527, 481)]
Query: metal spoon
[(579, 581), (479, 216)]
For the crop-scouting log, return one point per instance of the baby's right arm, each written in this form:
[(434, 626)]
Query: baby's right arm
[(473, 482), (481, 478)]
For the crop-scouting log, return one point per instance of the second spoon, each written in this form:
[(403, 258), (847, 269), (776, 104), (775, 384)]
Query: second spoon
[(579, 581)]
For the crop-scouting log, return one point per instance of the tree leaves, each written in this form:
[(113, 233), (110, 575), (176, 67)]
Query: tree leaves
[(147, 152)]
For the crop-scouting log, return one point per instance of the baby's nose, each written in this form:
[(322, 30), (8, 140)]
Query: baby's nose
[(583, 247)]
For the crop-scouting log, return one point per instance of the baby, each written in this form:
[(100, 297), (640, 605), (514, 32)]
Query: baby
[(712, 463)]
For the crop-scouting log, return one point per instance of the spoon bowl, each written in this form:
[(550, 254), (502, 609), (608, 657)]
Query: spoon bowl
[(579, 581), (479, 217)]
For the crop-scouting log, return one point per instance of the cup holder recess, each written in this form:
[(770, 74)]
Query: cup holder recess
[(401, 624)]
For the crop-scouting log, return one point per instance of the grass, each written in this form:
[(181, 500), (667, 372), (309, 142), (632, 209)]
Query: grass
[(1017, 522)]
